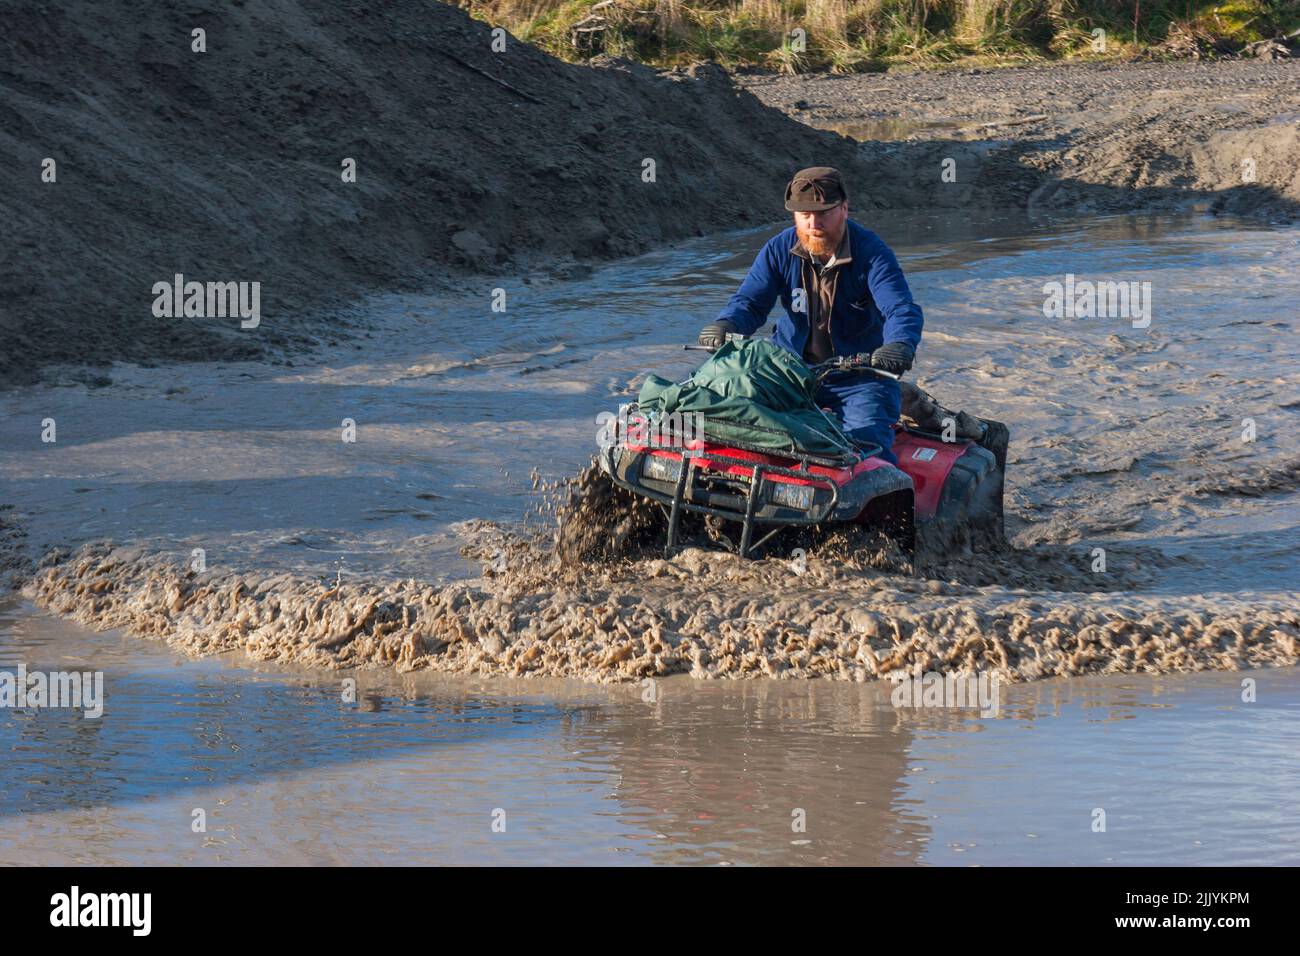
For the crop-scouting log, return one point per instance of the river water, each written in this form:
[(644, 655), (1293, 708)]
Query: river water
[(1132, 439)]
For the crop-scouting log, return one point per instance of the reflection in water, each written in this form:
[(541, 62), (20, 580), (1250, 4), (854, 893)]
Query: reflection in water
[(767, 772), (704, 773)]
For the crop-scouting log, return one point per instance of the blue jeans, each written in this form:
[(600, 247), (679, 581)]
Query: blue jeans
[(866, 407)]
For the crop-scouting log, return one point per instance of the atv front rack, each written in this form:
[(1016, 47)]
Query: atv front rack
[(745, 508)]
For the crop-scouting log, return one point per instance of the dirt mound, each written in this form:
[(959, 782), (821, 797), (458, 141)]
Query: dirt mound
[(226, 165)]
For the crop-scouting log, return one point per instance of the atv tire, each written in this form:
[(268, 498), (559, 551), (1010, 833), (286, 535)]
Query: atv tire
[(969, 515)]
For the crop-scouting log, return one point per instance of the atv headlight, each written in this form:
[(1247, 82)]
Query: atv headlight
[(799, 497), (661, 468)]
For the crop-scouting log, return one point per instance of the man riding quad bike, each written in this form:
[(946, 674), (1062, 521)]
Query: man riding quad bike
[(790, 442), (843, 293)]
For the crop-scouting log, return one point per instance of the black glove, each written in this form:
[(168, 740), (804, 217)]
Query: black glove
[(893, 357), (714, 335)]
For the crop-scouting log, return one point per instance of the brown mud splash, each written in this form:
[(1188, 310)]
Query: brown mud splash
[(580, 601), (15, 565)]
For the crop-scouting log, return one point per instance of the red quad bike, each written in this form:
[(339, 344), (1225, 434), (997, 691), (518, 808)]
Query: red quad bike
[(951, 489)]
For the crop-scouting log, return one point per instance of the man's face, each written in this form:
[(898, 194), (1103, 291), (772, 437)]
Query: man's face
[(821, 232)]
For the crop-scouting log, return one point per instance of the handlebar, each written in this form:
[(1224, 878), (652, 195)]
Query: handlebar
[(859, 362)]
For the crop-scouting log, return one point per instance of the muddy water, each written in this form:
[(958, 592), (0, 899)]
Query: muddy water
[(1127, 439), (709, 772), (1115, 429)]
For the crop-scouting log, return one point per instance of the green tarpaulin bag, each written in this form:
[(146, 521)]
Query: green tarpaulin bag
[(755, 393)]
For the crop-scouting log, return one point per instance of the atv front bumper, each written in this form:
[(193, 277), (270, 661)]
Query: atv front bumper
[(743, 490)]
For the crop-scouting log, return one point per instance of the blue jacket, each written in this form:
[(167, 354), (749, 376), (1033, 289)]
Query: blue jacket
[(872, 306)]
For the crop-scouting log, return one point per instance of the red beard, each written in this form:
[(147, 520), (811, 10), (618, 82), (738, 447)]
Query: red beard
[(822, 246)]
